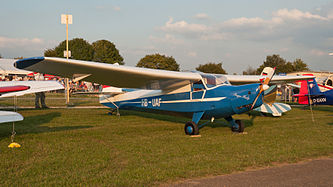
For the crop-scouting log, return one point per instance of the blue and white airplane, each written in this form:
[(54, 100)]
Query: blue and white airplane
[(203, 96)]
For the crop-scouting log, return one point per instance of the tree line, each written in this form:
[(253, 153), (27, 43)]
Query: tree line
[(106, 52)]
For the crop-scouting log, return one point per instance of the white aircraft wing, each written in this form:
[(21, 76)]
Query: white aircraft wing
[(6, 68), (109, 74), (247, 79), (18, 88), (6, 116)]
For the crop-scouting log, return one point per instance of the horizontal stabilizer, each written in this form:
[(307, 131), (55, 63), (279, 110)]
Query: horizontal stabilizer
[(276, 109)]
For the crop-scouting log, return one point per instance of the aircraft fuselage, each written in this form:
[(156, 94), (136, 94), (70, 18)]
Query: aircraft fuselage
[(218, 102)]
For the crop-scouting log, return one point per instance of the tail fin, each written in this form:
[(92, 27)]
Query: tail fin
[(308, 88), (313, 87), (303, 93)]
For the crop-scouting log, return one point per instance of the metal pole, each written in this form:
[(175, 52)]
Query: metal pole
[(66, 80)]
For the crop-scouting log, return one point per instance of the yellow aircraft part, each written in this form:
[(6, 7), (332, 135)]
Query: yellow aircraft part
[(14, 145)]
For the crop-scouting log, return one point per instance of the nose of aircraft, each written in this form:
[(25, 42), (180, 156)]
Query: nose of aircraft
[(244, 97), (265, 87)]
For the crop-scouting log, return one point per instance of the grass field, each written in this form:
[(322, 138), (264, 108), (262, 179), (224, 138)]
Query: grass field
[(89, 147)]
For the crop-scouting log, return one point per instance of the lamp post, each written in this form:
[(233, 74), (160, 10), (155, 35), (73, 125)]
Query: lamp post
[(67, 19)]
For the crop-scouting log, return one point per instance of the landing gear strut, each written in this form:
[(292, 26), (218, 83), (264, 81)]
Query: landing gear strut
[(236, 125)]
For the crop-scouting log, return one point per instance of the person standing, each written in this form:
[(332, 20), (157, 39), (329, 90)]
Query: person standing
[(40, 96)]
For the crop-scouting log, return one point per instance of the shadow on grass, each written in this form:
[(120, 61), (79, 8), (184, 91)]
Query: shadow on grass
[(220, 123), (164, 116), (33, 125), (177, 118)]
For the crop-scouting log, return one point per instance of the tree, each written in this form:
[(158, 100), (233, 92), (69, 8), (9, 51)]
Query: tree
[(282, 66), (299, 65), (50, 53), (80, 49), (105, 51), (157, 61), (250, 71), (211, 68), (273, 61), (0, 56)]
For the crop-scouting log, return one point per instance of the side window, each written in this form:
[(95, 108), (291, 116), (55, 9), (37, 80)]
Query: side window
[(329, 82), (198, 86)]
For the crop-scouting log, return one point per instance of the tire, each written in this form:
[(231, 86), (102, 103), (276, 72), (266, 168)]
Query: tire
[(240, 125), (191, 128)]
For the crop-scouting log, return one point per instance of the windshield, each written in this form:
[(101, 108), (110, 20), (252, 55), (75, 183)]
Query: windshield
[(212, 80)]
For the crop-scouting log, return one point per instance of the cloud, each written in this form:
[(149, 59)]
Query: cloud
[(215, 36), (296, 14), (245, 21), (294, 25), (317, 52), (6, 42), (201, 16), (192, 54), (183, 27), (116, 8), (167, 38), (279, 17)]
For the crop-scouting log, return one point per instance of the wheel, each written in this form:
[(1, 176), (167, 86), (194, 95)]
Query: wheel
[(191, 128), (240, 125)]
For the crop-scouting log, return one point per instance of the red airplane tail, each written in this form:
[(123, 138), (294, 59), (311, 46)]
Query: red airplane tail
[(303, 97)]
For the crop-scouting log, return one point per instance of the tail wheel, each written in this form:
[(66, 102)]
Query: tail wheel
[(240, 125), (191, 128)]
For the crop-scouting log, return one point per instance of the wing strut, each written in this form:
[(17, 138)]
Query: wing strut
[(310, 101)]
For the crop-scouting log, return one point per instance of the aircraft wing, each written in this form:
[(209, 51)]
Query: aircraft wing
[(247, 79), (6, 116), (109, 74), (6, 68), (18, 88)]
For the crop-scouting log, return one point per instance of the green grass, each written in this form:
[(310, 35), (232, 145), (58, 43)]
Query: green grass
[(88, 147)]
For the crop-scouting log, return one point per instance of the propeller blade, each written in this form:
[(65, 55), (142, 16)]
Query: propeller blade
[(255, 100), (269, 73)]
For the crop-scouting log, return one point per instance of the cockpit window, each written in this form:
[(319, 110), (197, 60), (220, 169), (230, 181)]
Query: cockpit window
[(212, 80)]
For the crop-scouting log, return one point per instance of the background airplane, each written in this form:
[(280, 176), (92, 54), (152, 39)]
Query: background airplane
[(200, 95), (311, 94), (18, 88)]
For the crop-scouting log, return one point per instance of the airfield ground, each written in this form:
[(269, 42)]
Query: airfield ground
[(88, 147)]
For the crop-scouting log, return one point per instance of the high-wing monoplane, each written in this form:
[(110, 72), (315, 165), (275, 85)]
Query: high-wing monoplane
[(18, 88), (200, 95), (311, 94)]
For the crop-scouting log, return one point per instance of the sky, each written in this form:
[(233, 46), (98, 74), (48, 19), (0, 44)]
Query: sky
[(238, 33)]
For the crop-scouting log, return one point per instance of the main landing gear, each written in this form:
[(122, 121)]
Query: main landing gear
[(236, 125), (192, 127)]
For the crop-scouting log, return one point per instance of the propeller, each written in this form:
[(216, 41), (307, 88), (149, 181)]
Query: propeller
[(269, 73)]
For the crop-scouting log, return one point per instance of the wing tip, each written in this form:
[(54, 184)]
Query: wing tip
[(26, 62)]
